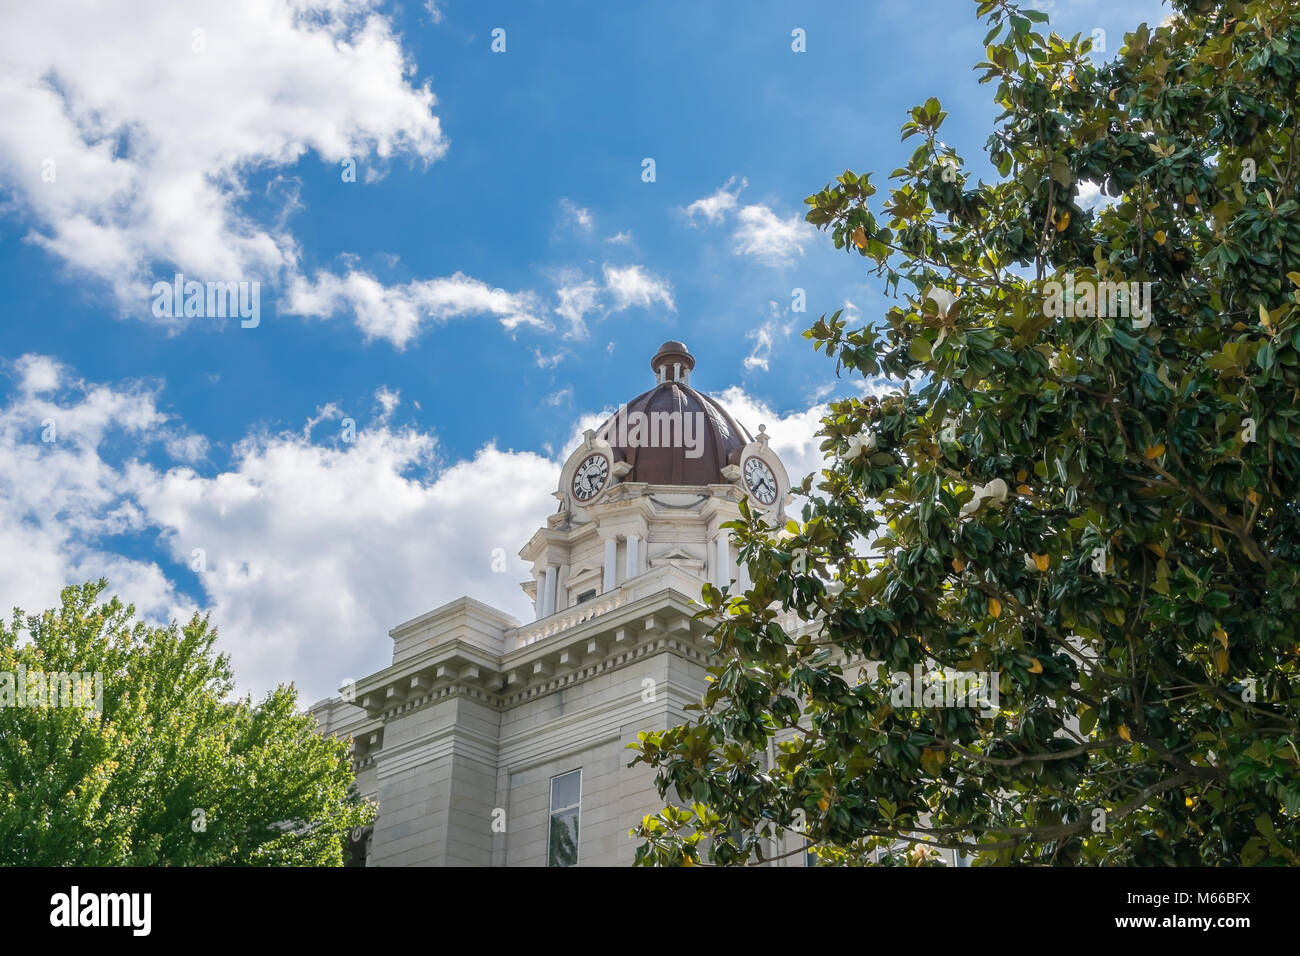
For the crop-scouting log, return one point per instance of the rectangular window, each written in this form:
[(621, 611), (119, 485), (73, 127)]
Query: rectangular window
[(566, 797)]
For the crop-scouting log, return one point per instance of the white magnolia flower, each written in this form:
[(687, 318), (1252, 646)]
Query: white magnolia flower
[(834, 588), (860, 443), (995, 491), (942, 298)]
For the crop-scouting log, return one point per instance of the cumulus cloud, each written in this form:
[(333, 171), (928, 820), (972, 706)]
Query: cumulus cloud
[(129, 141), (397, 312), (624, 287), (761, 234), (314, 551), (59, 498), (311, 547), (715, 207), (633, 285), (37, 374)]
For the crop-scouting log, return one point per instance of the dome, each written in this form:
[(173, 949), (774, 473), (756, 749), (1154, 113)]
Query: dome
[(672, 434)]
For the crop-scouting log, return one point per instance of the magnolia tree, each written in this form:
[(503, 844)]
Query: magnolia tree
[(120, 745), (1086, 502)]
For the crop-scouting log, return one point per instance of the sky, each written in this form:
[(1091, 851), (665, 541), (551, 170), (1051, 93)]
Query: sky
[(469, 226)]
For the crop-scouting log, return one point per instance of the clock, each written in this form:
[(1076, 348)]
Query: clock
[(760, 481), (590, 477)]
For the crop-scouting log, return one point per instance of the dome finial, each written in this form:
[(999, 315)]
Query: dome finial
[(672, 363)]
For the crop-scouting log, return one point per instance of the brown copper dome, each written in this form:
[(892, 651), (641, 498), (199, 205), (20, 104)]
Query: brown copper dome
[(671, 449)]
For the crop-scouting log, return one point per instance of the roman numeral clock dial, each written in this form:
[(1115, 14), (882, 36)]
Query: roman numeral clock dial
[(590, 477), (760, 481)]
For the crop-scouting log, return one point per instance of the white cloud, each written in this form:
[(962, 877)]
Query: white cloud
[(38, 374), (633, 285), (396, 313), (575, 215), (432, 8), (765, 336), (58, 496), (760, 233), (315, 552), (560, 397), (154, 123), (714, 208), (313, 548), (763, 235), (549, 360), (578, 300), (187, 447), (620, 238), (623, 288), (388, 400)]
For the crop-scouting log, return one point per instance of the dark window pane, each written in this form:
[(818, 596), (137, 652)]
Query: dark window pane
[(564, 839)]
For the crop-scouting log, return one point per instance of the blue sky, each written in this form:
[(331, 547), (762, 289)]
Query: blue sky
[(498, 273)]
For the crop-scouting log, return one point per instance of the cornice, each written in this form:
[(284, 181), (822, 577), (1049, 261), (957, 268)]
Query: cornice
[(662, 622)]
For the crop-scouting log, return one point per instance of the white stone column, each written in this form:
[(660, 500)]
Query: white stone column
[(722, 569), (611, 565), (742, 576), (548, 590), (633, 557)]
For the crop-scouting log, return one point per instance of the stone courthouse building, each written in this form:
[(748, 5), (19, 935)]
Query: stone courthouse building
[(489, 742)]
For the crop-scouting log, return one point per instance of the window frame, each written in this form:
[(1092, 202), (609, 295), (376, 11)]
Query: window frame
[(553, 810)]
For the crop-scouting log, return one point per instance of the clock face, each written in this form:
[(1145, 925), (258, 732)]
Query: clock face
[(760, 481), (590, 477)]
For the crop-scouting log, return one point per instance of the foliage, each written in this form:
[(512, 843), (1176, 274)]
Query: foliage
[(1100, 509), (122, 786)]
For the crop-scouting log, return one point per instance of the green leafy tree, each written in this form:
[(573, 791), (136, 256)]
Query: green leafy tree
[(162, 769), (1098, 509)]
